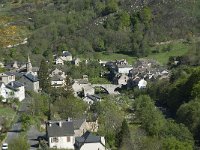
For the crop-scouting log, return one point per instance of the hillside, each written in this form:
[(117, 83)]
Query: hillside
[(125, 26)]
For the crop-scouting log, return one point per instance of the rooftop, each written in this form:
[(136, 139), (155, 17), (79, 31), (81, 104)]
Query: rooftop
[(60, 128)]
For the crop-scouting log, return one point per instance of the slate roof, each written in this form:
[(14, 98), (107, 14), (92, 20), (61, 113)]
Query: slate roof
[(57, 78), (67, 129), (78, 123), (66, 53), (14, 85), (31, 77), (87, 137)]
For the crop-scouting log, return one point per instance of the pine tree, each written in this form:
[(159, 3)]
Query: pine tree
[(43, 76)]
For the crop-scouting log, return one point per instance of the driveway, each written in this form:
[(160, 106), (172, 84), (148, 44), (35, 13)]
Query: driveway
[(32, 136)]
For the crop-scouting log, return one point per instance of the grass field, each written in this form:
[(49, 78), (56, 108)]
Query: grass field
[(177, 49), (6, 112)]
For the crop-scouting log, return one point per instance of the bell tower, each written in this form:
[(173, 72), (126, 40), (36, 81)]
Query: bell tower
[(28, 65)]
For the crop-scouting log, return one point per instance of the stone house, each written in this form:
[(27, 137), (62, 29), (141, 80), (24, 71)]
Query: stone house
[(30, 81), (121, 79), (7, 77)]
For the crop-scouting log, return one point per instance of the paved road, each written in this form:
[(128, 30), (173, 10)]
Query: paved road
[(32, 136), (15, 130)]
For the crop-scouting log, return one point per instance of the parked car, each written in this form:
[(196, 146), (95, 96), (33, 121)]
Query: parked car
[(4, 146)]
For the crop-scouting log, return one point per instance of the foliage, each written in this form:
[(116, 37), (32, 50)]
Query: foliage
[(26, 121), (43, 76), (174, 144), (19, 143), (150, 117)]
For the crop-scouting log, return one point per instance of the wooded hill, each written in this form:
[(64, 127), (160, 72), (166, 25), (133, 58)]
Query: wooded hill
[(121, 26)]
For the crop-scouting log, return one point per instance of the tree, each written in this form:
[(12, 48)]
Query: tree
[(19, 143), (188, 114), (123, 138), (150, 117), (172, 143), (43, 76)]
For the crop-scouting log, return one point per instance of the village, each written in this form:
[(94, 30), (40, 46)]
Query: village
[(75, 133)]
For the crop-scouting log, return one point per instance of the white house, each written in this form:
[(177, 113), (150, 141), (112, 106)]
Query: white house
[(59, 61), (142, 84), (66, 56), (60, 134), (124, 69), (15, 89), (57, 81), (89, 142)]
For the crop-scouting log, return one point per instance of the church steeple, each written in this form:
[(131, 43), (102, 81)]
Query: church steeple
[(29, 65)]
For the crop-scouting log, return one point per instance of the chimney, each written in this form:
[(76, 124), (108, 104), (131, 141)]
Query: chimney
[(60, 123)]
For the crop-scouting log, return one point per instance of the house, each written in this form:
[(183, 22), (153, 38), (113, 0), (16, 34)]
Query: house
[(90, 99), (60, 134), (66, 56), (7, 77), (57, 78), (121, 79), (76, 61), (59, 61), (142, 84), (123, 69), (57, 81), (15, 89), (58, 72), (88, 141), (80, 126), (30, 81), (80, 84)]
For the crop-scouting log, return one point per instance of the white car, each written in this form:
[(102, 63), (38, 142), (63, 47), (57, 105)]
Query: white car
[(5, 146)]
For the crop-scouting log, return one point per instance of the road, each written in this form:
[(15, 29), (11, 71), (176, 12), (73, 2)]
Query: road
[(15, 130)]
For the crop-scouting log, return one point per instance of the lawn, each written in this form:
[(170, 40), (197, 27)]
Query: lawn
[(178, 49), (6, 112)]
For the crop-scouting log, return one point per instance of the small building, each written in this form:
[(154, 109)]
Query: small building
[(88, 141), (59, 61), (76, 61), (7, 77), (142, 84), (124, 69), (90, 99), (15, 89), (57, 72), (120, 79), (60, 134), (66, 56), (30, 81), (57, 81)]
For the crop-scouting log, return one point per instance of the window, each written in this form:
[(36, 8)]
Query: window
[(68, 138), (54, 140)]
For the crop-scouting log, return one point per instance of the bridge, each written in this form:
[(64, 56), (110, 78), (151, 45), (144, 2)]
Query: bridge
[(110, 88)]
